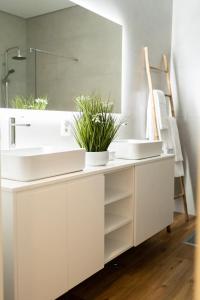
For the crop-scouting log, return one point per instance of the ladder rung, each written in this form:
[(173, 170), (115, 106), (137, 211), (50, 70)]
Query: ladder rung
[(157, 69), (179, 196), (168, 95)]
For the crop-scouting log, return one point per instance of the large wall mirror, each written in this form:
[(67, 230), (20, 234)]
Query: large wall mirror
[(56, 52)]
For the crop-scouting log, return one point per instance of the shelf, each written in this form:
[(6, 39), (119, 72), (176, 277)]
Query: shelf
[(119, 189), (113, 248), (113, 196), (113, 222)]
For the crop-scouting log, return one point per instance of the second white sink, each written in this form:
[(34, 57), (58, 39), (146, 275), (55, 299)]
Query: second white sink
[(37, 163), (136, 149)]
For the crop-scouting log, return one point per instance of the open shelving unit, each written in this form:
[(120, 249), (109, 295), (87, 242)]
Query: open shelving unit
[(117, 242), (113, 222), (113, 249), (114, 196), (118, 213)]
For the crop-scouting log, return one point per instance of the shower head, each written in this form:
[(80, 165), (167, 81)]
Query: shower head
[(5, 79), (11, 71), (18, 56)]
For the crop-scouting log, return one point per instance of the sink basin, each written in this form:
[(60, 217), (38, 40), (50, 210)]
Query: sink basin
[(136, 149), (37, 163)]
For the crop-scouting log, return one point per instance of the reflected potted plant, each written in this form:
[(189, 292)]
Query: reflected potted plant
[(95, 127), (29, 102)]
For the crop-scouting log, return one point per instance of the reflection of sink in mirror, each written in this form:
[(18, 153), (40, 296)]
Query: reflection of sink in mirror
[(28, 164), (136, 149)]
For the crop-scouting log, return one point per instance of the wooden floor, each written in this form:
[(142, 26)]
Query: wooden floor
[(159, 269)]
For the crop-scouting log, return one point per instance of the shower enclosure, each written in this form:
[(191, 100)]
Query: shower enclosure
[(31, 73)]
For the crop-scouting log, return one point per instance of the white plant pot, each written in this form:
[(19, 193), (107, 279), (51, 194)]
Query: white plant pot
[(97, 158)]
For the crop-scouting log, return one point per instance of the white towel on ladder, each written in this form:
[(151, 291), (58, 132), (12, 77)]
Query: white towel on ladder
[(162, 116), (167, 129), (174, 136), (179, 170), (162, 119), (175, 139), (161, 109), (149, 125)]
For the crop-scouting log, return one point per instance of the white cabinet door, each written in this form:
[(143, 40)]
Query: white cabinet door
[(154, 201), (85, 228), (41, 243)]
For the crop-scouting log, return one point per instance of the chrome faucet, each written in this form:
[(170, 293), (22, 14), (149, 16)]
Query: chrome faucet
[(12, 129)]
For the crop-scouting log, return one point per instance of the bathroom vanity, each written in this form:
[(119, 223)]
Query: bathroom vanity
[(61, 230)]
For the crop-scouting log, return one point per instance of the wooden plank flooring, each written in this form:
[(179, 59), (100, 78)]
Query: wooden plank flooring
[(159, 269)]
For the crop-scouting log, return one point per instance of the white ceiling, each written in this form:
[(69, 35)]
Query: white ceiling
[(32, 8)]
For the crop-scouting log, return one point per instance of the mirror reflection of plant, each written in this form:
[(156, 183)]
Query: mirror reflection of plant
[(29, 102), (95, 126)]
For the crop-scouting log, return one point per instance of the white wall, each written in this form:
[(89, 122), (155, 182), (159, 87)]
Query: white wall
[(186, 83)]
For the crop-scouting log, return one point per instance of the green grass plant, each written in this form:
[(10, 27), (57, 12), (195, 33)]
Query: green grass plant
[(29, 102), (95, 125)]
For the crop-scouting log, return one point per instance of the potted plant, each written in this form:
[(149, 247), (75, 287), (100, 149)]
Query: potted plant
[(95, 127)]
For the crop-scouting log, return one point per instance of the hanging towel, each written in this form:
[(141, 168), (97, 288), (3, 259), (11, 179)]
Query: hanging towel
[(167, 130), (167, 143), (179, 170), (161, 109), (161, 114), (175, 139), (161, 117), (174, 136), (149, 124)]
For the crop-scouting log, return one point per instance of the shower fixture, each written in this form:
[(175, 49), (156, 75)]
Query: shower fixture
[(5, 79), (32, 50), (19, 57), (35, 52)]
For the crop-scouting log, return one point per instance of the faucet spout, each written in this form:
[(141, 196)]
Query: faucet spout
[(12, 127)]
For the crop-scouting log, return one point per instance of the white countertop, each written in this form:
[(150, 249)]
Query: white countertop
[(117, 164)]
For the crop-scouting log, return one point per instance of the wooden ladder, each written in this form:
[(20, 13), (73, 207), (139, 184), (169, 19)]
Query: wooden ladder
[(168, 95)]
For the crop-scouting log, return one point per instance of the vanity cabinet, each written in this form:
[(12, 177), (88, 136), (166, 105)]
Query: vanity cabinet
[(62, 230), (56, 235)]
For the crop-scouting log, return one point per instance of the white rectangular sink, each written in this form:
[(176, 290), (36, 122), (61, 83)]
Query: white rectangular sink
[(37, 163), (136, 149)]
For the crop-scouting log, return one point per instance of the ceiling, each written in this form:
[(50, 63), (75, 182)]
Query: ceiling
[(32, 8)]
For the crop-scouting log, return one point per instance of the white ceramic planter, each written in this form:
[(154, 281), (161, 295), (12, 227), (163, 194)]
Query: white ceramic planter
[(97, 158)]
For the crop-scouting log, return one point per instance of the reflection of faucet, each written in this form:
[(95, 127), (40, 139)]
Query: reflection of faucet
[(12, 129)]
